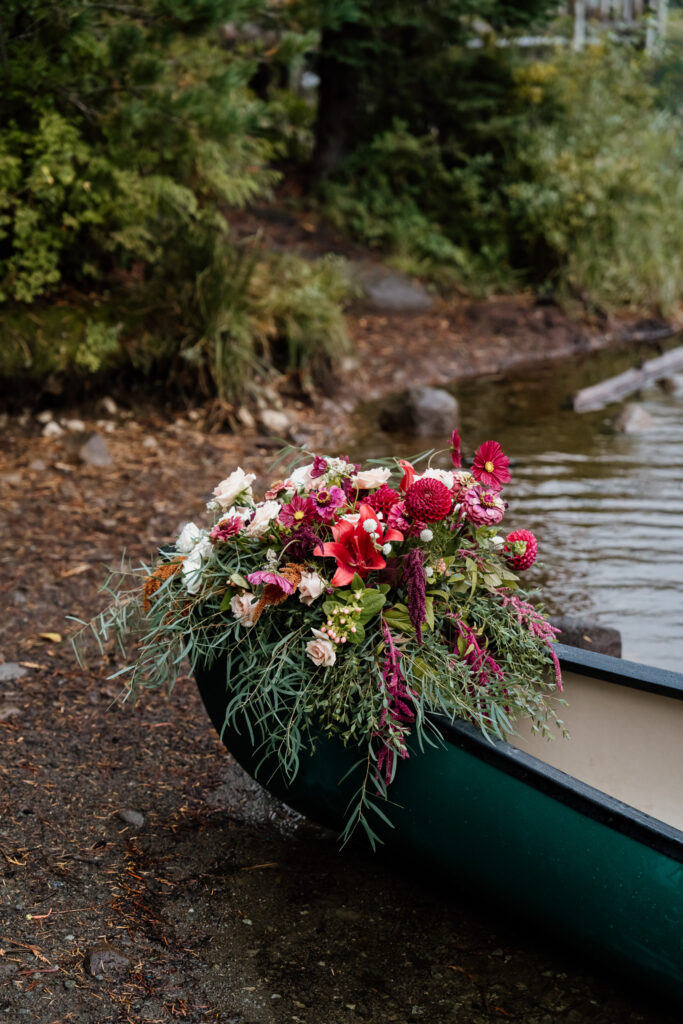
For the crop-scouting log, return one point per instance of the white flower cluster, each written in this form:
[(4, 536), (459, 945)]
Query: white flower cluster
[(195, 545)]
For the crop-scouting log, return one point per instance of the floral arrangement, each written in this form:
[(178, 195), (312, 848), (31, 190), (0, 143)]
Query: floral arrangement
[(355, 601)]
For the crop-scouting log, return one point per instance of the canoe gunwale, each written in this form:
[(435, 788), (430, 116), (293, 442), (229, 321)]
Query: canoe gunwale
[(582, 797), (623, 673)]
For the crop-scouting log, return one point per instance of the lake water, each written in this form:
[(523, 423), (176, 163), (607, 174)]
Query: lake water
[(607, 508)]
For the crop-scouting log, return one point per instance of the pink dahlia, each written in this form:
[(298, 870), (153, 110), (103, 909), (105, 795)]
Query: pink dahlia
[(456, 457), (483, 508), (490, 466), (226, 529), (428, 500), (383, 499), (297, 512), (328, 501), (521, 549), (272, 579)]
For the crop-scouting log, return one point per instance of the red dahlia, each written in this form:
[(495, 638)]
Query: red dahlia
[(428, 500), (383, 499), (521, 548)]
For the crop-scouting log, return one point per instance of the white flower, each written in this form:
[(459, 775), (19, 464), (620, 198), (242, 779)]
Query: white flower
[(369, 478), (311, 587), (263, 516), (370, 525), (238, 483), (243, 607), (195, 562), (189, 537), (386, 549), (429, 572), (301, 479), (321, 650), (426, 535), (444, 475), (351, 517), (498, 540)]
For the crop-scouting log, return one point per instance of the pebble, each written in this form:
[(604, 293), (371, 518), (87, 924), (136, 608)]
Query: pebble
[(10, 670), (95, 452), (74, 425), (109, 405), (131, 817), (9, 712), (105, 959), (45, 416), (37, 465), (52, 429), (274, 422)]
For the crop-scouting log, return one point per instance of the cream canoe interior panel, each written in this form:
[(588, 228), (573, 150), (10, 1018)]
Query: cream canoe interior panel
[(623, 741)]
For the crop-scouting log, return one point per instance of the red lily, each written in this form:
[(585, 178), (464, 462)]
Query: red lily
[(353, 547), (408, 474)]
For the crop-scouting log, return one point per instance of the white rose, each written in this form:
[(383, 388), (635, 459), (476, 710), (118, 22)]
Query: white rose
[(301, 479), (311, 587), (444, 475), (237, 483), (321, 650), (369, 478), (189, 537), (243, 607), (263, 516)]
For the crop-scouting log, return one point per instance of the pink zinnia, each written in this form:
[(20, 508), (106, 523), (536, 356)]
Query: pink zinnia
[(299, 511), (456, 457), (490, 466), (270, 578), (328, 501), (483, 508), (226, 529)]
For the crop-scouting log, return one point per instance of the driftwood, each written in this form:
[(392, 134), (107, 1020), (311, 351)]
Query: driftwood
[(614, 388)]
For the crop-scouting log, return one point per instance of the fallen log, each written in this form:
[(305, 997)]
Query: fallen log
[(614, 388)]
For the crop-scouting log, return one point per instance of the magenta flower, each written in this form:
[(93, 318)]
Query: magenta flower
[(327, 501), (226, 529), (298, 512), (490, 466), (319, 467), (270, 578), (483, 508), (456, 457)]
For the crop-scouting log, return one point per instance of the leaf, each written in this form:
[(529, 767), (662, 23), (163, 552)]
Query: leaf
[(398, 619), (429, 612), (225, 603), (371, 602), (53, 638), (239, 580)]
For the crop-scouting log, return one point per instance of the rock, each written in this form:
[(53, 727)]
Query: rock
[(134, 818), (586, 633), (45, 416), (108, 405), (75, 426), (105, 959), (421, 412), (672, 385), (274, 422), (94, 452), (633, 419), (37, 466), (52, 429), (9, 712), (246, 418), (389, 291), (9, 671), (150, 443)]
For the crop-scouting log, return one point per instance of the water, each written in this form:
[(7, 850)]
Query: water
[(607, 508)]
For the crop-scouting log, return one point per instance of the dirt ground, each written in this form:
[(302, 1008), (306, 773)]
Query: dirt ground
[(210, 902)]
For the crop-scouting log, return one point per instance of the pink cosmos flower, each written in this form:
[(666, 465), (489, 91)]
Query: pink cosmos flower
[(456, 457), (270, 578), (490, 466), (328, 501), (299, 512), (226, 529), (483, 508)]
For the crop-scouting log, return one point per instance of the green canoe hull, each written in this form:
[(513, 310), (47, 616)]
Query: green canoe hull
[(587, 869)]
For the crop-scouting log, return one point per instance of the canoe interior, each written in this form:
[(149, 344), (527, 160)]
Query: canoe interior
[(625, 741)]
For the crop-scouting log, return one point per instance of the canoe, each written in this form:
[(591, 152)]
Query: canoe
[(582, 836)]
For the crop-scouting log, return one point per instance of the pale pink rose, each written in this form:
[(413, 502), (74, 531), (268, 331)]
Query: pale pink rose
[(242, 607), (321, 650), (265, 513), (236, 484), (368, 479), (311, 587)]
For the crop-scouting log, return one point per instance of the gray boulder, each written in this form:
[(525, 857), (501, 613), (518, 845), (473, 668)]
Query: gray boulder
[(95, 452), (633, 419), (420, 412), (387, 291), (587, 634)]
